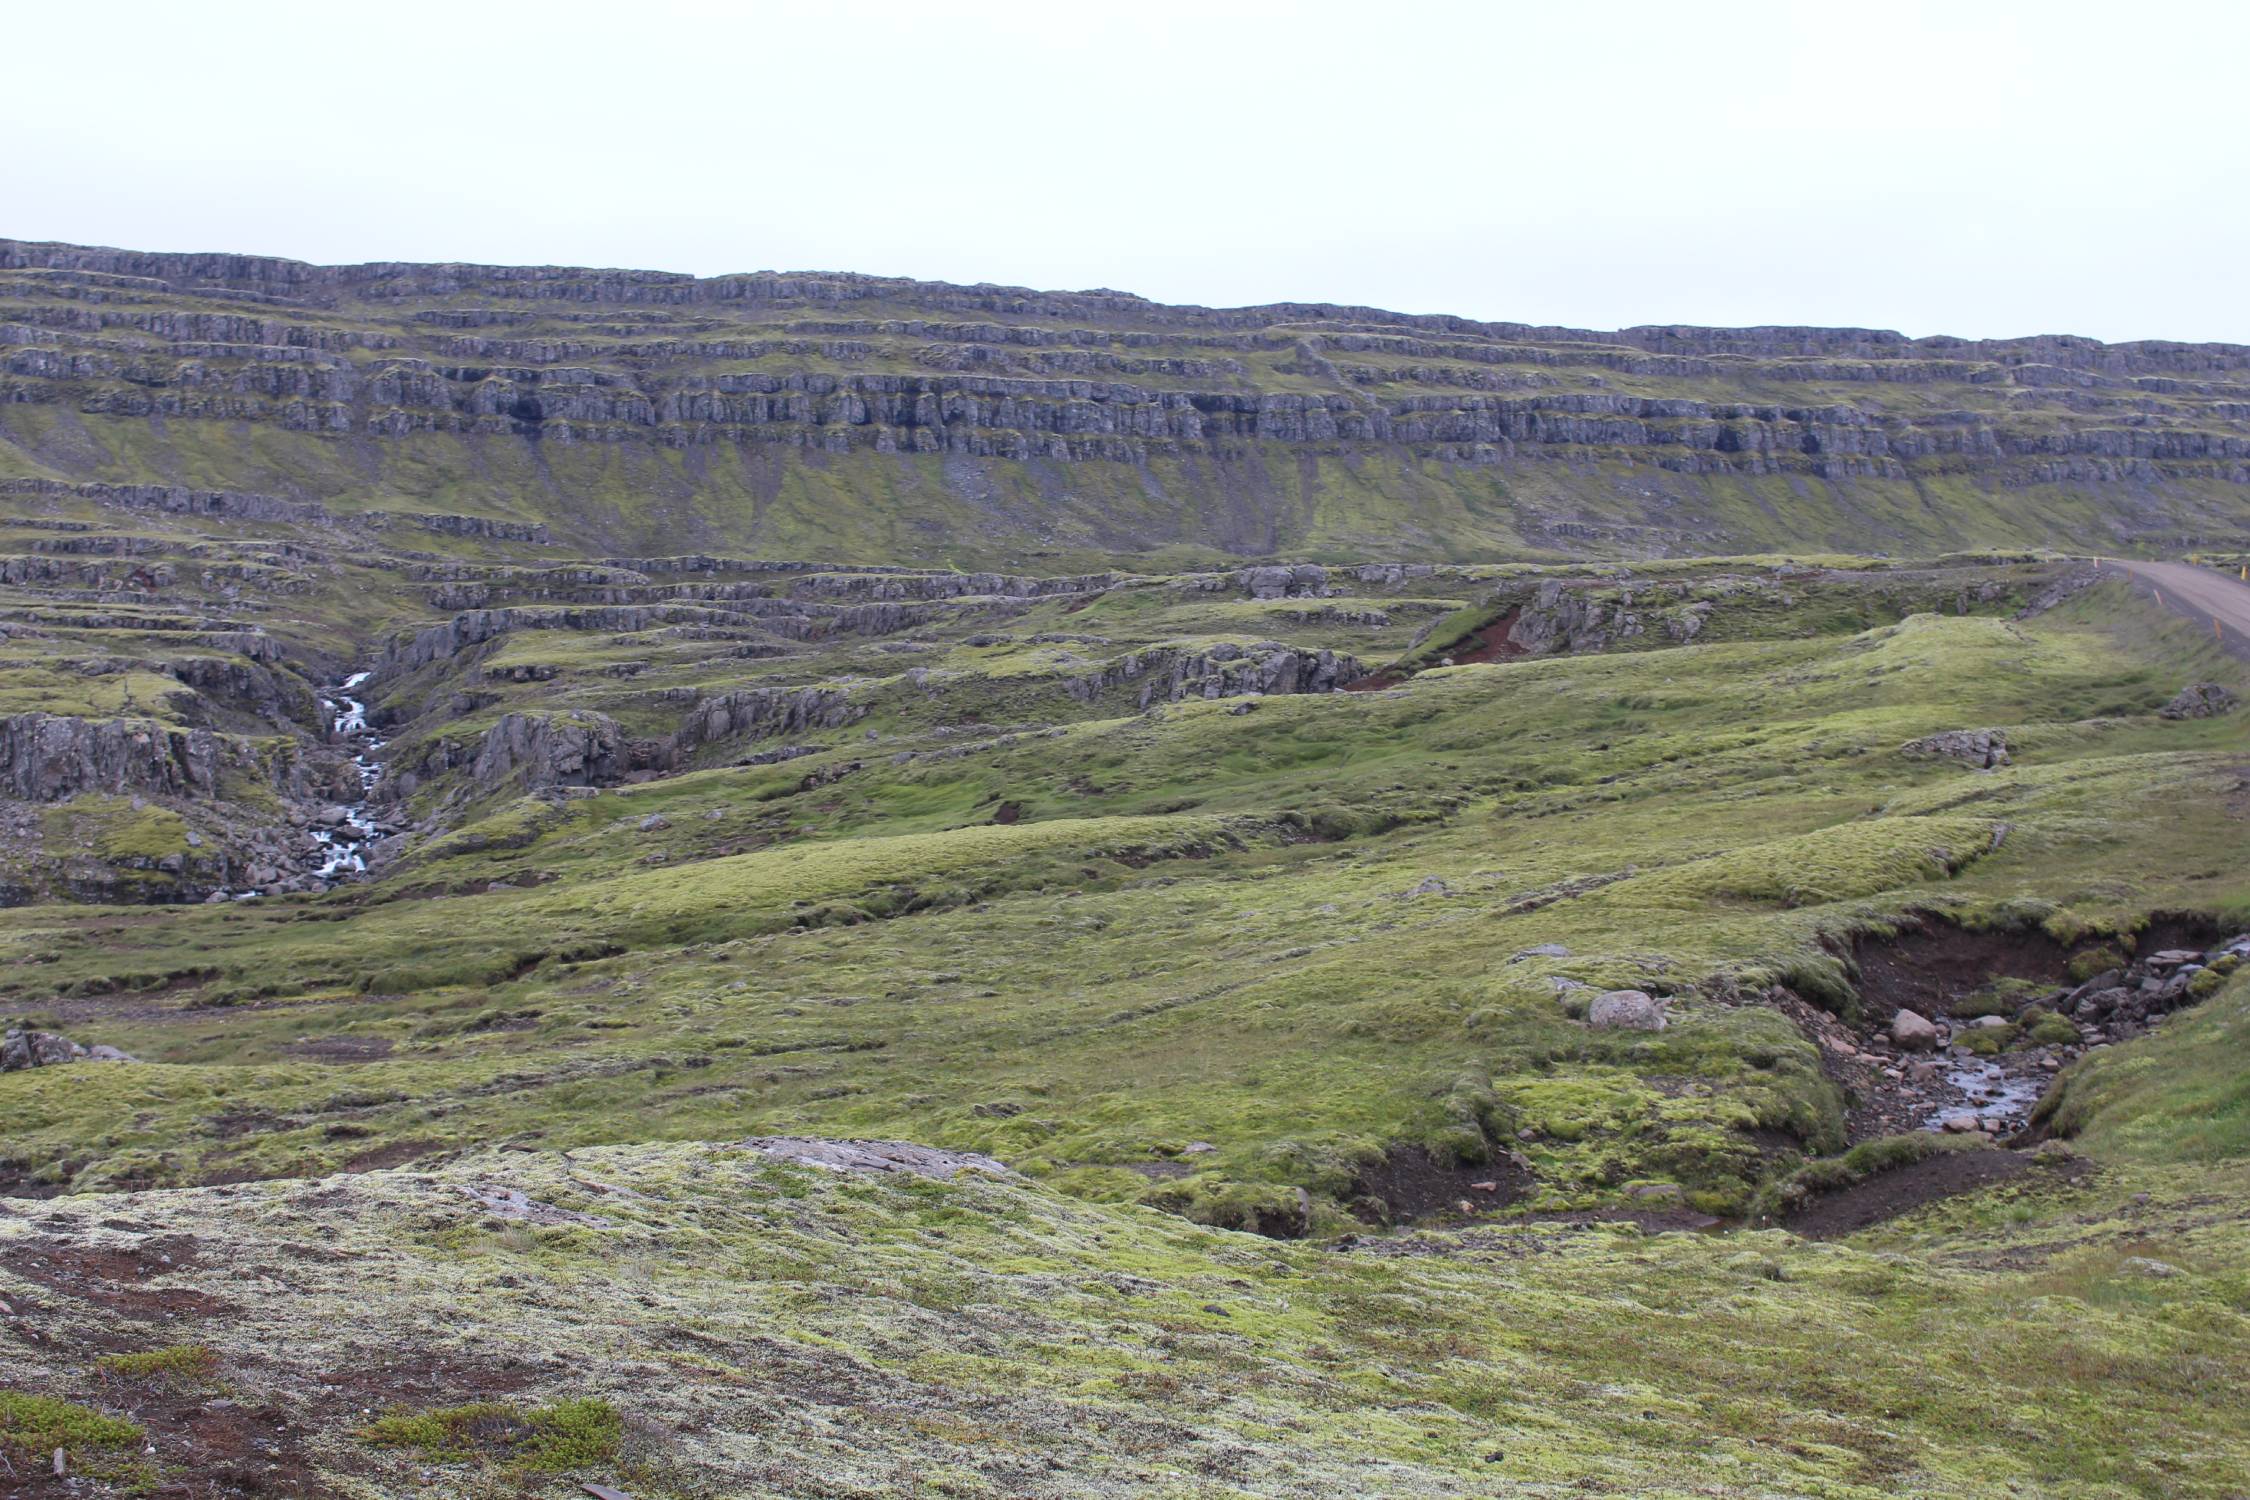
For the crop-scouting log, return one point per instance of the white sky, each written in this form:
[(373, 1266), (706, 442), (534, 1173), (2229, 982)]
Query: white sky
[(1969, 168)]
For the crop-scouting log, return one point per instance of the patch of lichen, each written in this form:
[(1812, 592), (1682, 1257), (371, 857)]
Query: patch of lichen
[(784, 1327)]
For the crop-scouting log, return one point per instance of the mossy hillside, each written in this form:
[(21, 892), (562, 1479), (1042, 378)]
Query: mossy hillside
[(2180, 1096), (1009, 662), (1405, 756), (1000, 1338), (1293, 1002)]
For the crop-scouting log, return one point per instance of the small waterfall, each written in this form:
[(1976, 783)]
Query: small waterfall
[(341, 847)]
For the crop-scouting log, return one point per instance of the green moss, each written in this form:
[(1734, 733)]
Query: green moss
[(1987, 1041), (545, 1439), (2096, 960), (94, 1445), (2003, 996), (172, 1364)]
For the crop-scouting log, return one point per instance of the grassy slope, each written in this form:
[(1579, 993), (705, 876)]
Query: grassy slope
[(1171, 512), (1156, 954), (1292, 933)]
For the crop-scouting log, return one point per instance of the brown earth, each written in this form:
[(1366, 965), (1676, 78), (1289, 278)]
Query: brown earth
[(1410, 1184), (1887, 1195)]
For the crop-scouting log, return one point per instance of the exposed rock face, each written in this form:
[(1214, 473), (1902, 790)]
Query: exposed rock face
[(1304, 580), (1626, 1010), (1167, 674), (237, 505), (1983, 748), (1560, 619), (2122, 1003), (662, 362), (898, 584), (574, 749), (762, 713), (47, 757), (2201, 700)]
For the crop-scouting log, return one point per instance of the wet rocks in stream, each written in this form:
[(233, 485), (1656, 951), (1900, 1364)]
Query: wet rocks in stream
[(341, 836), (1962, 1032)]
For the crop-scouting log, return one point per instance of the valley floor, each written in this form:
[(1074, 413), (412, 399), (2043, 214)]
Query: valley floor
[(1489, 1080)]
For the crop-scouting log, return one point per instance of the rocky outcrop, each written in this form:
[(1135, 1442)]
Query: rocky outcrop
[(47, 757), (21, 1048), (1626, 1010), (1303, 580), (2123, 1002), (482, 527), (1018, 376), (2201, 700), (896, 585), (762, 713), (1168, 674), (1984, 749), (234, 505), (474, 627), (545, 750)]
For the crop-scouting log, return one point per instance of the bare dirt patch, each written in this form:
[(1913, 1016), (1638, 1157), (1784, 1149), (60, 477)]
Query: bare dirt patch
[(1488, 643), (117, 1278), (1410, 1185), (394, 1154), (1887, 1195), (1926, 967)]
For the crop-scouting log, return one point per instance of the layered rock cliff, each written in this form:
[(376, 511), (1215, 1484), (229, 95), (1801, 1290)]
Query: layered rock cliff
[(1076, 421)]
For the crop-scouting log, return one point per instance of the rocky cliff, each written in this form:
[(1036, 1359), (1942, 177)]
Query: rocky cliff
[(999, 422)]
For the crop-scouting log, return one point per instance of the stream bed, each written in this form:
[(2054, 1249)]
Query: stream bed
[(340, 842)]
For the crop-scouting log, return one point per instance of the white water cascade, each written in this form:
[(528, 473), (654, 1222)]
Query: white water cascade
[(340, 848)]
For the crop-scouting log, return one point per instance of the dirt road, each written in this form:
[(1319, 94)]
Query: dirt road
[(2199, 593)]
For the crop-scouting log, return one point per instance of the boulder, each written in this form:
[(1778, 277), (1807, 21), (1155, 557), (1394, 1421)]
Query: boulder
[(1272, 582), (1914, 1033), (1626, 1010), (21, 1047), (2199, 700), (2102, 1001), (1983, 748)]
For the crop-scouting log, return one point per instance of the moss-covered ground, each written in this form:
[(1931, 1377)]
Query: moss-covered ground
[(1189, 969)]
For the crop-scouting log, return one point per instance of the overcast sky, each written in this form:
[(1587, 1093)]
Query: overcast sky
[(1962, 168)]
